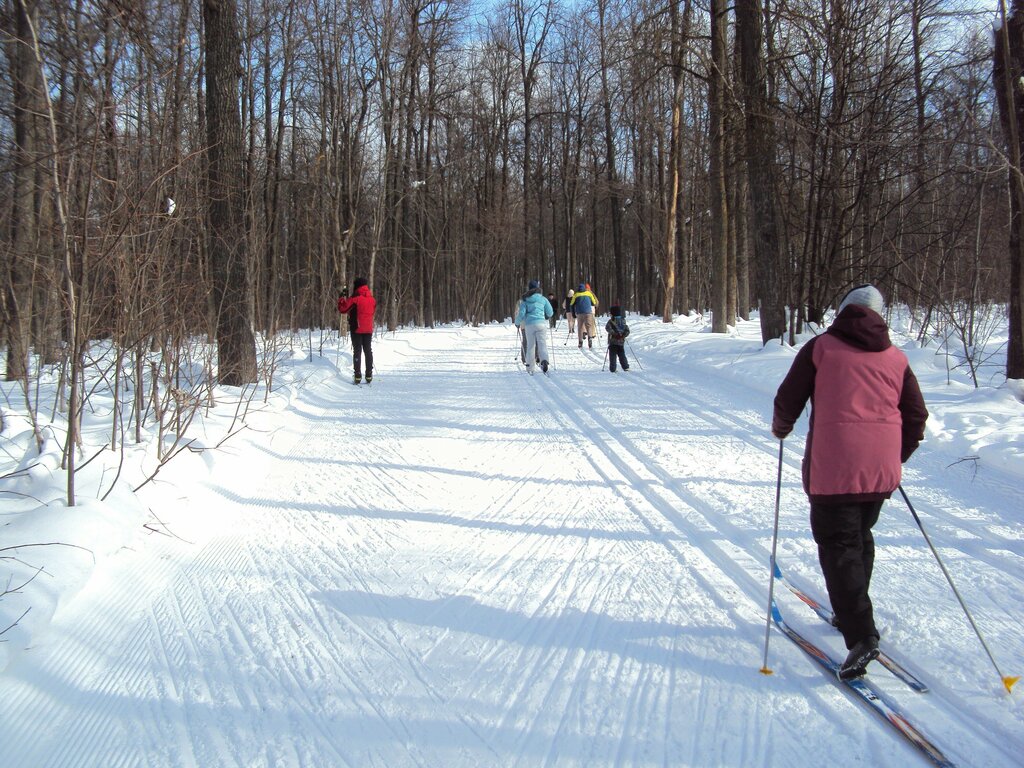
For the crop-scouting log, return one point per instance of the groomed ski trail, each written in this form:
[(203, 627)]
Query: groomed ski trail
[(460, 566)]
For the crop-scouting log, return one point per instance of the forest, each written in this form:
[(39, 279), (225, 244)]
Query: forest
[(189, 180)]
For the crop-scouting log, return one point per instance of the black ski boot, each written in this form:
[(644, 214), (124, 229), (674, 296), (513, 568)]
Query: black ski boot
[(544, 365), (862, 654)]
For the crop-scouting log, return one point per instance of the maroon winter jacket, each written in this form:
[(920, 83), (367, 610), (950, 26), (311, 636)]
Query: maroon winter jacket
[(867, 411), (365, 306)]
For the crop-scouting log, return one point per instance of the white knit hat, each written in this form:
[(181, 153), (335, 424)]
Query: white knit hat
[(864, 296)]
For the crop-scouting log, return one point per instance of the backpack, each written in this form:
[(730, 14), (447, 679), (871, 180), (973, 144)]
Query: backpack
[(617, 330)]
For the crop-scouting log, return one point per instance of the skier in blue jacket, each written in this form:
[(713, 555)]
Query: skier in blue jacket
[(531, 320)]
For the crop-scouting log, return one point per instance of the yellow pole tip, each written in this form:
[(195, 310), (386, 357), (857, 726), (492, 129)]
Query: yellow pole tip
[(1009, 682), (766, 671)]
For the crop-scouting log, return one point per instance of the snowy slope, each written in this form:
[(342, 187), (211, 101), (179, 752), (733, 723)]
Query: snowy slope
[(462, 565)]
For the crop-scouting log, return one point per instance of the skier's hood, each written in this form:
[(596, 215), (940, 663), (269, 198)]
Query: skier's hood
[(862, 328), (531, 292), (363, 290)]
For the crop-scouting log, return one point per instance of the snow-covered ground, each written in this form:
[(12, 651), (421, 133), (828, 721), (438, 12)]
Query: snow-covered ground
[(463, 565)]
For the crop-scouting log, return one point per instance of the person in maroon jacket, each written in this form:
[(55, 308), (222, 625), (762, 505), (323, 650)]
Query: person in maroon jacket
[(867, 418), (360, 309)]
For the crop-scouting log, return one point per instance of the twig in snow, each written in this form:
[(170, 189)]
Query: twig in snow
[(166, 530), (16, 623), (160, 466)]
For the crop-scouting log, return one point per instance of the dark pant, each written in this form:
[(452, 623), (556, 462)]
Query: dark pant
[(617, 353), (361, 345), (846, 551)]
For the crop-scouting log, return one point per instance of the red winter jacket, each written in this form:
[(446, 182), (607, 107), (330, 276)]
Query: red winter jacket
[(365, 306), (867, 411)]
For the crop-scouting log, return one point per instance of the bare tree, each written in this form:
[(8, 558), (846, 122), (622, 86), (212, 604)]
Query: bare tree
[(21, 255), (1008, 68), (677, 42), (228, 241), (760, 144), (717, 193)]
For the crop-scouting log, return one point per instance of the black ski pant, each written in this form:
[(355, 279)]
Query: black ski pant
[(846, 551), (617, 353), (361, 344)]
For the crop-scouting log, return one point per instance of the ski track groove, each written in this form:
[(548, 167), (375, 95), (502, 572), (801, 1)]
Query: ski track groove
[(585, 633), (413, 663), (548, 647), (288, 672), (633, 480), (981, 727), (707, 548), (299, 571), (576, 698)]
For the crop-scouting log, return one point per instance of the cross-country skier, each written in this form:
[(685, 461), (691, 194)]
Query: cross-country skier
[(570, 316), (553, 301), (867, 418), (531, 319), (617, 331), (584, 305), (364, 306)]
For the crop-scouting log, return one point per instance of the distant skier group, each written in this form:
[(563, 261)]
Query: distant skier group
[(535, 313)]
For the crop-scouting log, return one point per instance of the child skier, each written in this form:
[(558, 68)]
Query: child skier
[(617, 333)]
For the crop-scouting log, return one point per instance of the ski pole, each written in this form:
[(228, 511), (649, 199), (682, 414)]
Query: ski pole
[(771, 578), (551, 352), (1008, 682), (606, 350), (637, 359)]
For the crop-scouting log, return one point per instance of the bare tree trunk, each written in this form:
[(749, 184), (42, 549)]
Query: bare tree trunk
[(760, 141), (1008, 67), (17, 275), (229, 252), (675, 155), (618, 288), (717, 158)]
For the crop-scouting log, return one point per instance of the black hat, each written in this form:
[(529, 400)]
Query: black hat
[(360, 282)]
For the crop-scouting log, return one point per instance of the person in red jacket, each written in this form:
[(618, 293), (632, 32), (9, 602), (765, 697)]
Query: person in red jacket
[(360, 308), (867, 418)]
